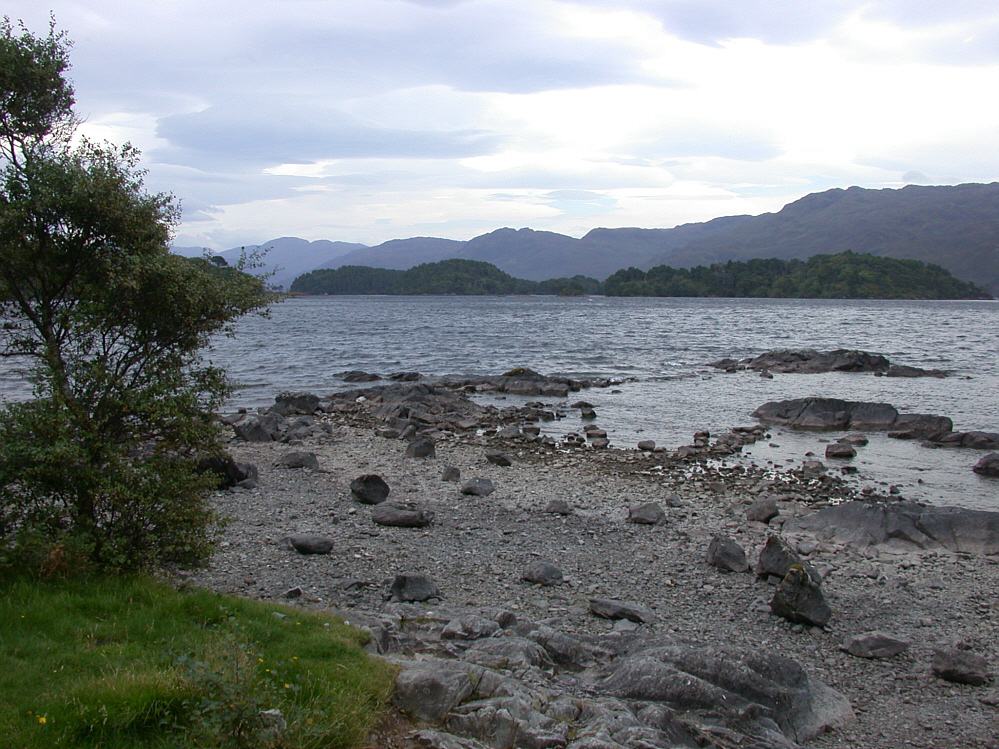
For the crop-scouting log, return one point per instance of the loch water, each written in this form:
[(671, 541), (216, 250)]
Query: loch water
[(659, 348)]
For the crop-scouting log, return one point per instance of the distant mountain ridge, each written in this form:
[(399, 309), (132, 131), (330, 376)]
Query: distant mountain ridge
[(956, 227)]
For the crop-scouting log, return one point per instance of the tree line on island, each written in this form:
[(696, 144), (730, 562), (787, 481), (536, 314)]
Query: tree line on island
[(846, 275)]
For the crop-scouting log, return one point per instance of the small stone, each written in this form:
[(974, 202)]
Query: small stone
[(478, 487), (298, 459), (960, 667), (498, 458), (369, 489), (421, 447), (725, 554), (649, 513), (310, 544), (763, 509), (543, 573), (413, 588), (558, 507)]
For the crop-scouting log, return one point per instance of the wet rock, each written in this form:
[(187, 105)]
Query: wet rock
[(401, 516), (857, 440), (310, 544), (430, 690), (799, 598), (905, 525), (289, 403), (451, 473), (763, 509), (498, 458), (355, 375), (478, 487), (903, 370), (875, 645), (988, 465), (542, 573), (647, 445), (610, 608), (840, 450), (650, 513), (298, 459), (369, 489), (421, 447), (413, 588), (725, 554), (961, 667), (558, 507)]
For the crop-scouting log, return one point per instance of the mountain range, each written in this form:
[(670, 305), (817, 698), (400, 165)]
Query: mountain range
[(956, 227)]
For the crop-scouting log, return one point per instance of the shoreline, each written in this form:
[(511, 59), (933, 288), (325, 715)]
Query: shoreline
[(476, 549)]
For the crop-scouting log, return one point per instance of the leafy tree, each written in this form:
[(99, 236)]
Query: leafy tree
[(103, 461)]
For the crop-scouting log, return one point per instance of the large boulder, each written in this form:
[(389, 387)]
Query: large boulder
[(431, 689), (905, 525), (836, 414), (288, 403), (988, 465), (421, 447), (777, 557), (260, 428), (229, 472), (799, 598), (759, 694)]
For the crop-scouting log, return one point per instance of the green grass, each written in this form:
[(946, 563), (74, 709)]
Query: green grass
[(129, 662)]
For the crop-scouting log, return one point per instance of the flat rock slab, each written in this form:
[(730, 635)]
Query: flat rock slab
[(310, 544), (369, 489), (478, 487), (875, 645), (298, 459), (401, 516), (610, 608), (833, 413), (905, 525)]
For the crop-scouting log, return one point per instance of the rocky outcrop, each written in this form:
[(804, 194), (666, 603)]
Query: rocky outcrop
[(811, 361), (836, 414), (905, 525)]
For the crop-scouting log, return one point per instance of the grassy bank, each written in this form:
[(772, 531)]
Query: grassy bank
[(130, 662)]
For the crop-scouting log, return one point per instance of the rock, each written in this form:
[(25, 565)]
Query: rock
[(405, 376), (610, 608), (430, 690), (776, 558), (840, 450), (980, 440), (600, 443), (498, 458), (511, 432), (857, 440), (298, 459), (988, 465), (478, 487), (874, 645), (756, 694), (558, 507), (451, 473), (542, 573), (763, 509), (412, 588), (288, 403), (369, 489), (310, 544), (421, 447), (649, 513), (401, 516), (813, 467), (355, 375), (587, 413), (961, 667), (905, 525), (261, 428), (229, 472), (725, 554), (509, 653), (647, 445), (903, 370), (469, 627), (799, 598)]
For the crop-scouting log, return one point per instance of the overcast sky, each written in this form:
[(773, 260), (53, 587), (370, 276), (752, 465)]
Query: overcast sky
[(367, 120)]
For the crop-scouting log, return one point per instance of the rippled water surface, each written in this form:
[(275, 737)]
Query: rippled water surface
[(663, 345)]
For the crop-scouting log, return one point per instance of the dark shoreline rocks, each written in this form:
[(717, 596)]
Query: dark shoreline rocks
[(811, 361)]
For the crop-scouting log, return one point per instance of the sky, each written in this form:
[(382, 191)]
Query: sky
[(368, 120)]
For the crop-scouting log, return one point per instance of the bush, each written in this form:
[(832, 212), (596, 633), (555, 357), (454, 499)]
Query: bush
[(102, 464)]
